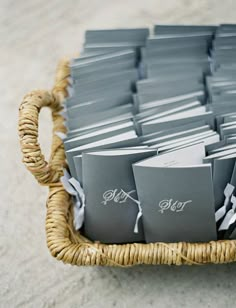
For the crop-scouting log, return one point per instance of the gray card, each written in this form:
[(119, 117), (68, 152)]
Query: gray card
[(219, 154), (150, 100), (81, 131), (94, 126), (201, 47), (98, 123), (176, 39), (98, 135), (103, 60), (165, 111), (74, 105), (99, 116), (175, 130), (156, 70), (92, 69), (95, 71), (93, 106), (111, 199), (115, 77), (122, 140), (174, 136), (122, 87), (154, 111), (175, 87), (183, 29), (176, 196), (149, 127), (184, 50), (95, 87), (138, 35), (87, 56), (207, 138), (173, 59), (221, 148), (108, 48), (161, 80)]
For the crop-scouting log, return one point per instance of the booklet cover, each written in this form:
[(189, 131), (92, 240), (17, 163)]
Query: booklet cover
[(111, 199), (176, 195)]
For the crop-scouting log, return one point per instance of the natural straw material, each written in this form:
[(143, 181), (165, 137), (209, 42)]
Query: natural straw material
[(63, 241)]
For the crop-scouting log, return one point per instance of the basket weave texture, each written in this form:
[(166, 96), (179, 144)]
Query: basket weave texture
[(63, 241)]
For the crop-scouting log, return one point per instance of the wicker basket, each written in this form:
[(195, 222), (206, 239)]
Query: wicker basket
[(63, 241)]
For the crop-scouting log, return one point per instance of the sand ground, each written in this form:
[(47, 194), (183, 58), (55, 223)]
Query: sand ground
[(34, 35)]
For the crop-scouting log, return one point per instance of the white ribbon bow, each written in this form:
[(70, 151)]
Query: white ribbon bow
[(230, 217), (139, 215), (73, 187), (222, 210), (61, 135)]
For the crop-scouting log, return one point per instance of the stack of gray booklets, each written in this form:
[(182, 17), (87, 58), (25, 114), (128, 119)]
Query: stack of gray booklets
[(221, 87), (151, 134)]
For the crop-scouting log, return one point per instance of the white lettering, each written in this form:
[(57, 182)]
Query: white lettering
[(172, 205), (117, 196)]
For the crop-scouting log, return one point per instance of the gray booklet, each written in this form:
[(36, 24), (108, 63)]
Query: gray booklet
[(97, 105), (135, 35), (112, 207), (175, 191), (83, 120), (183, 29), (98, 134), (121, 140), (177, 120)]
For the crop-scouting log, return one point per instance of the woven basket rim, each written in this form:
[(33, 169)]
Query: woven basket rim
[(64, 242)]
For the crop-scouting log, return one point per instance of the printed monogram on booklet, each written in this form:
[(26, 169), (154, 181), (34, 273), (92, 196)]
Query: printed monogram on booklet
[(173, 205), (117, 196)]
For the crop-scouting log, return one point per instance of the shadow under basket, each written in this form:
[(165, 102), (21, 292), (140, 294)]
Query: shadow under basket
[(64, 242)]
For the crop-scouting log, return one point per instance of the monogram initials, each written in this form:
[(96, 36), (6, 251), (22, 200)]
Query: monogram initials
[(117, 196), (171, 205)]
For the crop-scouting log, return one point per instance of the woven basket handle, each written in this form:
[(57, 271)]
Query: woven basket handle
[(47, 173)]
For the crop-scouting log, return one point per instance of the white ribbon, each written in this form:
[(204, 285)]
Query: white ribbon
[(79, 205), (64, 114), (73, 187), (70, 80), (230, 217), (220, 213), (61, 135), (70, 91), (139, 215)]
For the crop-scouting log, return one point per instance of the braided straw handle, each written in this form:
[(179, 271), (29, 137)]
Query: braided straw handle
[(46, 173)]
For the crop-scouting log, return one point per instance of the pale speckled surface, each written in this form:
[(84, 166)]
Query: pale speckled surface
[(34, 35)]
